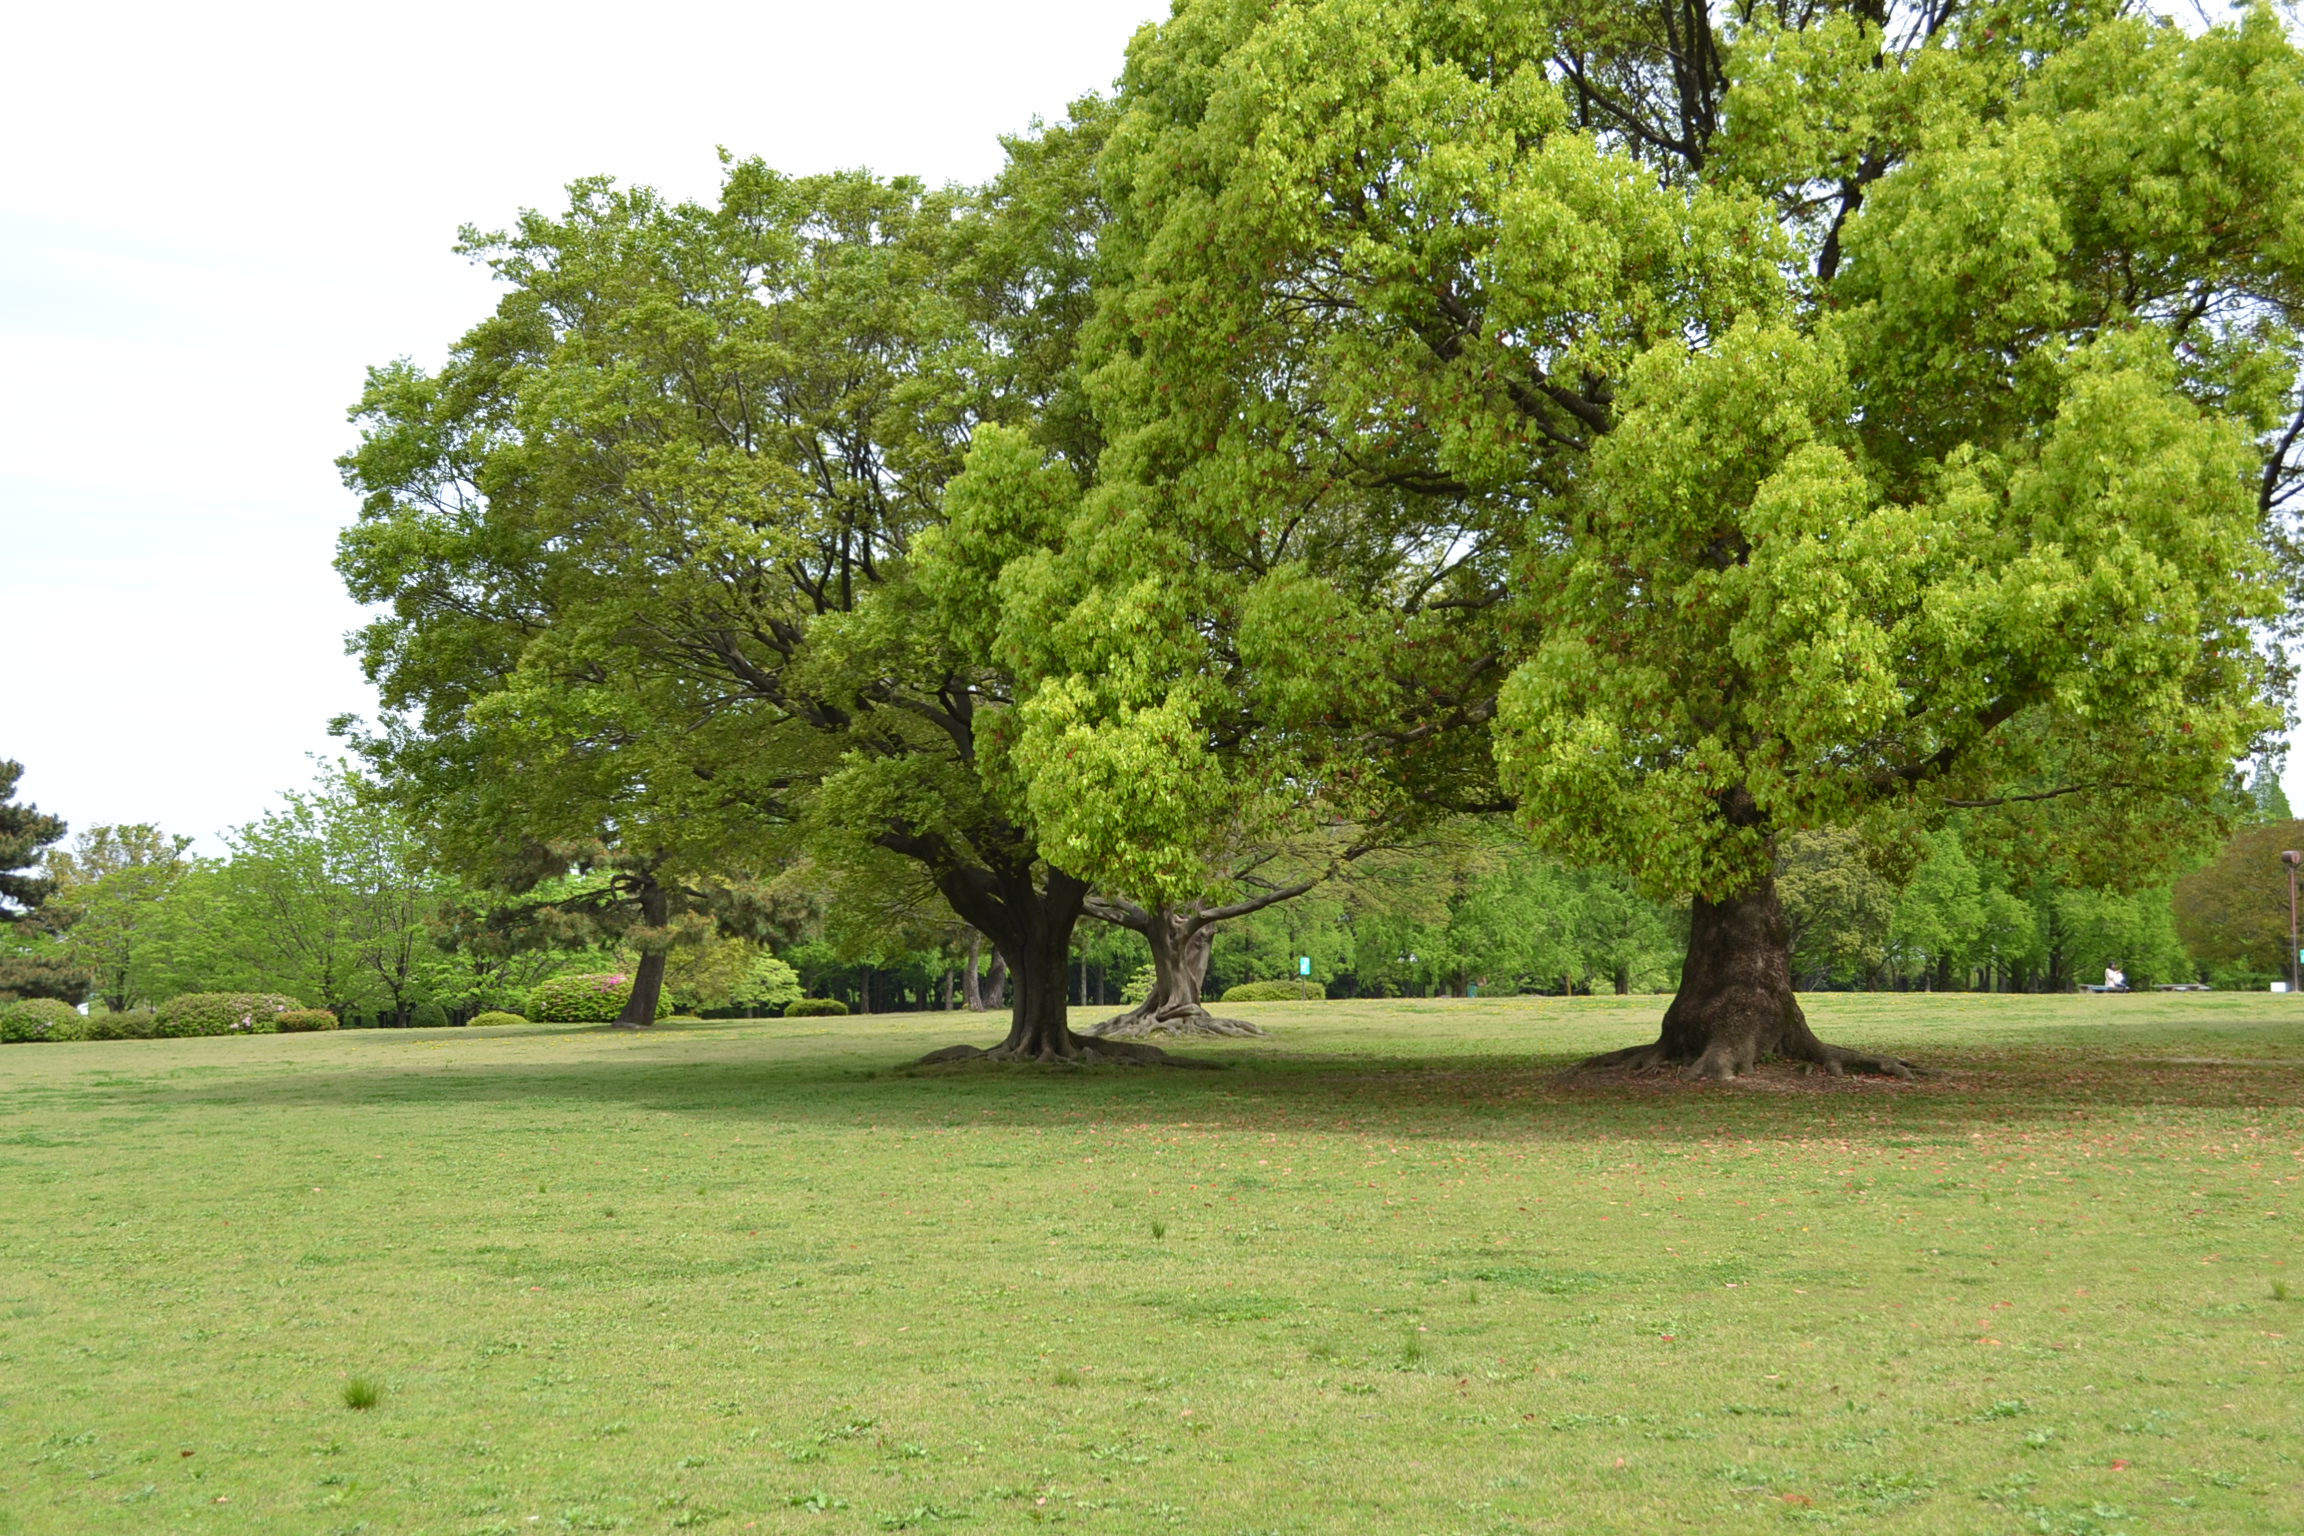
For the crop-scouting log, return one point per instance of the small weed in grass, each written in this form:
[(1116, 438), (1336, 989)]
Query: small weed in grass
[(1159, 1230), (361, 1394), (1066, 1377), (1412, 1349), (2279, 1290)]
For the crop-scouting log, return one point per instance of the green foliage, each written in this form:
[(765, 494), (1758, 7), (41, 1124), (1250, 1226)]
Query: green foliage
[(1837, 905), (125, 1024), (593, 999), (35, 965), (815, 1008), (2233, 910), (1818, 474), (304, 1021), (767, 986), (495, 1018), (24, 832), (35, 1019), (1275, 991), (222, 1013), (1139, 985), (110, 887)]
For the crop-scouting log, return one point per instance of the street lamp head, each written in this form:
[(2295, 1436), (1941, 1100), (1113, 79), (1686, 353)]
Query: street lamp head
[(2292, 858)]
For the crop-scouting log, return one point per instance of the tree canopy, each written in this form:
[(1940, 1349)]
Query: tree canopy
[(1688, 433)]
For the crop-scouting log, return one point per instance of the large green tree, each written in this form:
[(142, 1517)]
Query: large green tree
[(1750, 422), (685, 510)]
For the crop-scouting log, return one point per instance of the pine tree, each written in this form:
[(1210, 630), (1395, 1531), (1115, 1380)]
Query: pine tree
[(24, 832)]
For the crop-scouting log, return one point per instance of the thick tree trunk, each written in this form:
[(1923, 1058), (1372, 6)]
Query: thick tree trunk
[(1032, 928), (996, 981), (1179, 942), (648, 980), (1736, 1007)]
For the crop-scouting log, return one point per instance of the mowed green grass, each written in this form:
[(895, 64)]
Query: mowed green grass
[(1387, 1273)]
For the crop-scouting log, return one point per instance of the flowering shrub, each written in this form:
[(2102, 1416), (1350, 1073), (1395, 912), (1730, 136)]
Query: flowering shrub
[(37, 1019), (222, 1013), (579, 999), (494, 1017), (305, 1021)]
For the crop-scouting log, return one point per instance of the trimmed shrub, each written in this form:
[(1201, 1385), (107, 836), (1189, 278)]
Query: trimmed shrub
[(222, 1013), (579, 999), (129, 1024), (815, 1008), (1302, 990), (38, 1019), (305, 1021), (494, 1017)]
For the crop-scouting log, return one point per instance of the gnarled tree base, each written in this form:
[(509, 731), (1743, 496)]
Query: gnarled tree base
[(1736, 1007), (1185, 1021), (1723, 1061), (1069, 1050)]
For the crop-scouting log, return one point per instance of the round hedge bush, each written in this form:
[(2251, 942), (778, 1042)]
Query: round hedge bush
[(305, 1021), (129, 1024), (579, 999), (222, 1013), (815, 1008), (1305, 990), (494, 1017), (36, 1020)]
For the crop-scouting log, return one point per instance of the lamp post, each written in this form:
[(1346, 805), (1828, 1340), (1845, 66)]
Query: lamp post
[(2292, 858)]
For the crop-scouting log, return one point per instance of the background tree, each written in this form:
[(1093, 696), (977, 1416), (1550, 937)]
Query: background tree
[(681, 477), (109, 886), (30, 966), (2233, 910)]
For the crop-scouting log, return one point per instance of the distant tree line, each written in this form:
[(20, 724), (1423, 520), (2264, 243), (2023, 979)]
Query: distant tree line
[(330, 898)]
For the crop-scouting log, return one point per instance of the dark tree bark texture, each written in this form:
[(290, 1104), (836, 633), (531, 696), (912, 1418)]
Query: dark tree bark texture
[(1736, 1007), (648, 980), (1179, 941), (1031, 925)]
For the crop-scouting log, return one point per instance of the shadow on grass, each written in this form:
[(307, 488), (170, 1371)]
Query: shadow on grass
[(1476, 1096)]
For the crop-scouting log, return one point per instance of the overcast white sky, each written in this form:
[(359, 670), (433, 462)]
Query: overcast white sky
[(214, 218)]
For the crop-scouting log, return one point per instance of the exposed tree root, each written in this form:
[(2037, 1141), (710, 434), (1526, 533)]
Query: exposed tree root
[(1736, 1007), (1724, 1060), (1072, 1051), (1186, 1021)]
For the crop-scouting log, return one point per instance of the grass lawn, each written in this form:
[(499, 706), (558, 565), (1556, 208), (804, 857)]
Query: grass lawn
[(1389, 1273)]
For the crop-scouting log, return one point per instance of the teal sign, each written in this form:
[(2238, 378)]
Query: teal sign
[(1303, 965)]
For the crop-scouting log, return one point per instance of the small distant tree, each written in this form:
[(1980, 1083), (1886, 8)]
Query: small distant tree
[(766, 986)]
